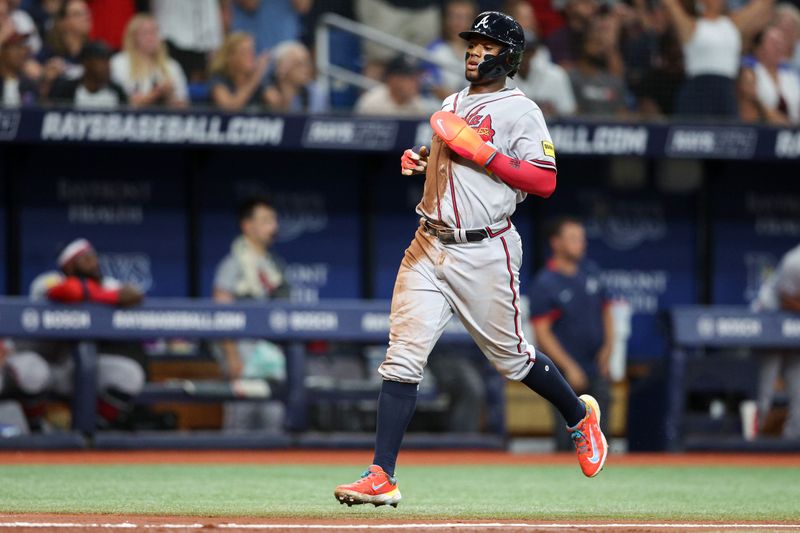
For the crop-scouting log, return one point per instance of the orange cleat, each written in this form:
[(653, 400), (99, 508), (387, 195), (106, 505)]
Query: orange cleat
[(590, 443), (375, 487)]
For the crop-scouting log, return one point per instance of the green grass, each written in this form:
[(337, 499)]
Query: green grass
[(442, 492)]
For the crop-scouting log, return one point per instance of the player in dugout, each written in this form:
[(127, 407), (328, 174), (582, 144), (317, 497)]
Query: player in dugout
[(490, 149), (79, 279)]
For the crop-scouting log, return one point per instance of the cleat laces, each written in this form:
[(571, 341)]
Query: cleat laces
[(581, 442)]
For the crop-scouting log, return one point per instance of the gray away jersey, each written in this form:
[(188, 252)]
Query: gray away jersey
[(462, 194)]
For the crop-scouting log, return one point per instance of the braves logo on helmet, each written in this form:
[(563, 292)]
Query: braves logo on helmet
[(502, 29)]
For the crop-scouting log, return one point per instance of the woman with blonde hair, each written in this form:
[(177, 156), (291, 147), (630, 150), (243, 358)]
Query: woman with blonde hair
[(237, 74), (144, 69)]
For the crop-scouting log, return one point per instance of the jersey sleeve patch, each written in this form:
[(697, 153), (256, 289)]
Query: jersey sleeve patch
[(548, 149)]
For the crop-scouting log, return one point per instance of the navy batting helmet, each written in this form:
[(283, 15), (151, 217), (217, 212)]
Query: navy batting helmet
[(505, 30)]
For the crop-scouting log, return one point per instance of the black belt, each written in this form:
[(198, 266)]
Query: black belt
[(455, 236)]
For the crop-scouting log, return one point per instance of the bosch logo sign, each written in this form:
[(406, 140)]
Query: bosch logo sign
[(30, 320)]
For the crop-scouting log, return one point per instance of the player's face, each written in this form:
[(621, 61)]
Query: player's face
[(262, 226), (571, 242), (87, 265), (477, 49)]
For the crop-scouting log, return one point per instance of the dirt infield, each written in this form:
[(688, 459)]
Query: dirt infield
[(18, 523), (410, 457)]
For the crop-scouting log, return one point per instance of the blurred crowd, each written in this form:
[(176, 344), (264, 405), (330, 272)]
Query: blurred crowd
[(724, 59)]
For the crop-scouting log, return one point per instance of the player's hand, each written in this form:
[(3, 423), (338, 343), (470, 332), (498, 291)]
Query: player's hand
[(604, 361), (462, 139), (577, 379), (129, 296), (414, 163)]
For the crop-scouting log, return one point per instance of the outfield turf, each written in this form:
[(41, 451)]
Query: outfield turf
[(442, 492)]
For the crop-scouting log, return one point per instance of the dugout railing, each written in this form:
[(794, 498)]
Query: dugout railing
[(292, 326), (716, 337)]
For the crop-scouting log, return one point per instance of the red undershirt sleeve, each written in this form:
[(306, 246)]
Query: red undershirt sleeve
[(524, 175), (73, 290)]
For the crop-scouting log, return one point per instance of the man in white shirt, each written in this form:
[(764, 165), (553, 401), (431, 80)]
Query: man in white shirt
[(192, 30), (543, 81), (399, 94)]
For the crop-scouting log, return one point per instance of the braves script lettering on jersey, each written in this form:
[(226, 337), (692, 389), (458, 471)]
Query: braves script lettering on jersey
[(479, 281)]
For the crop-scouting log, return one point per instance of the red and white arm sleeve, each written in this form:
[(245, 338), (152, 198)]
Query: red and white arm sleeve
[(538, 179)]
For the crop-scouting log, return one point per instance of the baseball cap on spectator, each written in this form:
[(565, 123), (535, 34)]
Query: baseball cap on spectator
[(402, 66), (95, 50), (73, 250)]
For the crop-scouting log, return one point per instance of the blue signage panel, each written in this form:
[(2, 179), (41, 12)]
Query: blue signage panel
[(131, 208), (642, 238), (755, 221), (317, 200)]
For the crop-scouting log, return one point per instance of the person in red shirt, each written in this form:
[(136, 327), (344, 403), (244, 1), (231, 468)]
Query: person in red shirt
[(119, 378), (80, 280)]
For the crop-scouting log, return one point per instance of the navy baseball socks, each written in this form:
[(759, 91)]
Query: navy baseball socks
[(546, 380), (396, 405), (582, 414), (377, 485)]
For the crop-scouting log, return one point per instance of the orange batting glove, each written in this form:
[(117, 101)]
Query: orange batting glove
[(462, 139)]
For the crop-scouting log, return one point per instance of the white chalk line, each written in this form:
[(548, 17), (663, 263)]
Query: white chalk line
[(462, 525)]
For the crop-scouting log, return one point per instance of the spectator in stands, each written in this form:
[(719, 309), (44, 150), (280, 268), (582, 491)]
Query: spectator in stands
[(193, 30), (60, 55), (749, 106), (712, 46), (110, 19), (17, 89), (94, 89), (291, 86), (544, 82), (571, 318), (787, 19), (269, 21), (399, 94), (415, 21), (144, 69), (43, 12), (449, 50), (781, 291), (565, 43), (25, 25), (251, 271), (79, 279), (237, 74), (15, 21), (657, 90), (597, 90), (777, 87)]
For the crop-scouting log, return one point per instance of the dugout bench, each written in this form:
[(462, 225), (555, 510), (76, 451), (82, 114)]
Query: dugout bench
[(291, 325), (728, 334)]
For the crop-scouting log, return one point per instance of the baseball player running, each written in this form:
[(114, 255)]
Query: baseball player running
[(490, 149)]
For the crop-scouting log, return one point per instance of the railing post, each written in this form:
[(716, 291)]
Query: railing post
[(84, 399), (322, 53), (296, 401)]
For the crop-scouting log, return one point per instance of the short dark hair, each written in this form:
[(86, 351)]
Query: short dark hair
[(248, 207), (557, 224)]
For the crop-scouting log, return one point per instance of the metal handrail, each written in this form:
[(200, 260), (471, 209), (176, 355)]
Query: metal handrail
[(326, 71)]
